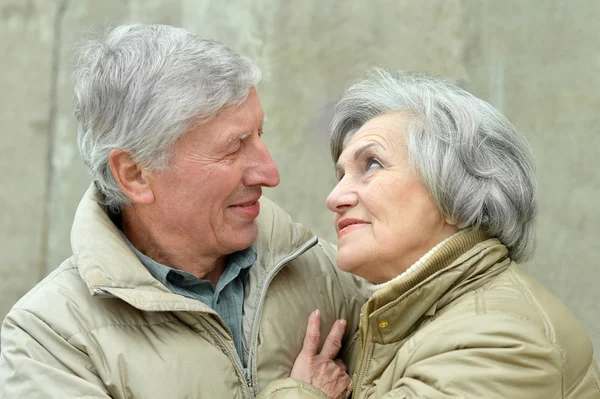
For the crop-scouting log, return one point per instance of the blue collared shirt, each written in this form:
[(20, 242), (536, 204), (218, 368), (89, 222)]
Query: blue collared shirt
[(227, 298)]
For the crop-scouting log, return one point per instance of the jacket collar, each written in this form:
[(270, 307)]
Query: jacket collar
[(463, 263), (278, 235), (109, 267)]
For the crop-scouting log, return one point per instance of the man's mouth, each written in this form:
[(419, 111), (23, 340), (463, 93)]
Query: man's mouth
[(248, 209)]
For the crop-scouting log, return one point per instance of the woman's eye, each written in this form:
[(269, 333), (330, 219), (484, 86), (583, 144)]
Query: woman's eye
[(372, 163)]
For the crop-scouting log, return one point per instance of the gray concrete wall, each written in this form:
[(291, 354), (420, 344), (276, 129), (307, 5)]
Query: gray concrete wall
[(537, 61)]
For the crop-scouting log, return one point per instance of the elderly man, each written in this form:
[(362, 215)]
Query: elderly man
[(177, 288)]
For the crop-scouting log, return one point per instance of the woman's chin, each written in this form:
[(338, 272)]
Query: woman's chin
[(349, 264)]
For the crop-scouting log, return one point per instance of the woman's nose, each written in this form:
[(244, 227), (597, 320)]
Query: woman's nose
[(342, 197)]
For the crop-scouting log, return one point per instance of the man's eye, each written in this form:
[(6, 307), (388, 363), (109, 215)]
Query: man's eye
[(234, 149), (372, 163)]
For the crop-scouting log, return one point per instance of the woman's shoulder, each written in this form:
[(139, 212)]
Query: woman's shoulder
[(511, 315), (516, 295)]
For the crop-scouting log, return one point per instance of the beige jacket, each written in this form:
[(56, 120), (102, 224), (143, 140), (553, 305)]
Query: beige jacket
[(101, 326), (468, 323)]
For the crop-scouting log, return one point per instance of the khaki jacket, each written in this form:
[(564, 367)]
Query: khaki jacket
[(101, 326), (467, 323)]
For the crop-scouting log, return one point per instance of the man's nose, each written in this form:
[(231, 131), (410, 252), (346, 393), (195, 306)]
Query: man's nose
[(263, 171)]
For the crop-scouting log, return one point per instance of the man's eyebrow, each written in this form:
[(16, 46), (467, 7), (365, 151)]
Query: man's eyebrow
[(247, 134), (357, 154), (240, 137)]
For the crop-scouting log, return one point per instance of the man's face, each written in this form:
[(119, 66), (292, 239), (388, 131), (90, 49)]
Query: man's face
[(208, 197)]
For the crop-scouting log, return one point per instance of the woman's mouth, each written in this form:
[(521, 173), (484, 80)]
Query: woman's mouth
[(347, 226)]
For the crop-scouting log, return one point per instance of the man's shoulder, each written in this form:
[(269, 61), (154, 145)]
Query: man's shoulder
[(63, 302), (51, 289), (43, 303)]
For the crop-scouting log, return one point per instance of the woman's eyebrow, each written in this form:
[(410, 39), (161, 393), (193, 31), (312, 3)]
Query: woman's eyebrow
[(361, 150), (357, 154)]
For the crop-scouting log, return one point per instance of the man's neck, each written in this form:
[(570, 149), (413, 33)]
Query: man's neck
[(175, 252)]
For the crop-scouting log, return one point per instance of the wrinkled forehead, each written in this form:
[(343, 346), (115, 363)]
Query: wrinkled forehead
[(392, 126), (349, 135)]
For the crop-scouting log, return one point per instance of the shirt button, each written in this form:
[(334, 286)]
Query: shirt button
[(384, 324)]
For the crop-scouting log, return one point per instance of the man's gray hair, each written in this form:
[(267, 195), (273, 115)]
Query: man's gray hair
[(475, 164), (140, 87)]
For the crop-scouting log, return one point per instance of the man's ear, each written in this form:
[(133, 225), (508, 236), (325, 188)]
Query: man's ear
[(133, 179)]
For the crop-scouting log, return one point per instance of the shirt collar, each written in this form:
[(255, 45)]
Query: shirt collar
[(240, 260)]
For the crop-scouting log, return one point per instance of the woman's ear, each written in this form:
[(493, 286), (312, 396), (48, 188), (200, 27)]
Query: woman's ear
[(451, 222), (133, 179)]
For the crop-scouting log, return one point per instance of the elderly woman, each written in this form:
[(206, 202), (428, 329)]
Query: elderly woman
[(435, 205)]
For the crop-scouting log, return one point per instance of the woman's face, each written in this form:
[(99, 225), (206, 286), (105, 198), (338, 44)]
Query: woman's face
[(384, 216)]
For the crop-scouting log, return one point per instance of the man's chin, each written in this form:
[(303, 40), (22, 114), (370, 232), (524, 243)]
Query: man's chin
[(244, 237)]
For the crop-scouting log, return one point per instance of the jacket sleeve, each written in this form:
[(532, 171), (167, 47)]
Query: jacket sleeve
[(355, 291), (290, 388), (37, 362), (486, 356)]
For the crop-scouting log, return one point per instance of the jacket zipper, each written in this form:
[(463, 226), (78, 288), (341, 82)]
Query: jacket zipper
[(247, 374), (362, 364), (249, 382), (240, 371), (251, 376)]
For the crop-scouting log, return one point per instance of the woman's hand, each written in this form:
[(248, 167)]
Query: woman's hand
[(322, 370)]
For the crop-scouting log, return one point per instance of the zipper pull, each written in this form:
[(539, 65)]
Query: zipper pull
[(350, 387), (249, 382)]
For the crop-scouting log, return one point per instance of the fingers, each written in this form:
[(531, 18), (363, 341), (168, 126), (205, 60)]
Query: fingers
[(344, 383), (341, 365), (333, 343), (312, 339), (331, 378)]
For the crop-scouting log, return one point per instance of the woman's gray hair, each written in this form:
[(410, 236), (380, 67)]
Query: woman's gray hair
[(475, 164), (140, 87)]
